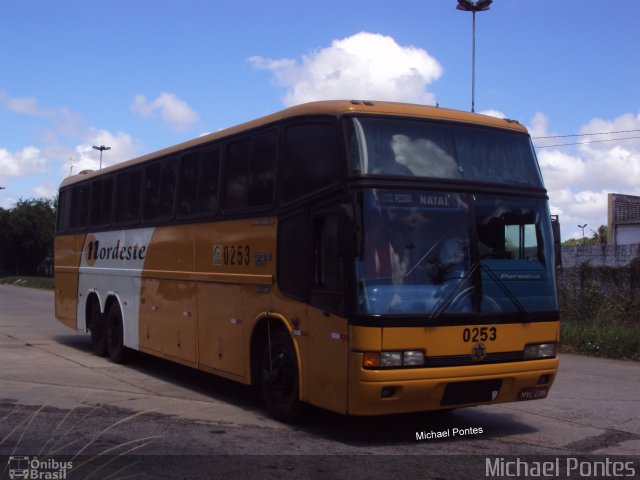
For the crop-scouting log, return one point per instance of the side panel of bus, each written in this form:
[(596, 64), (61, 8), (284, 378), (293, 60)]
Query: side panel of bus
[(67, 260)]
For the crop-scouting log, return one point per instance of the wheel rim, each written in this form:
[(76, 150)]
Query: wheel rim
[(280, 380), (280, 376)]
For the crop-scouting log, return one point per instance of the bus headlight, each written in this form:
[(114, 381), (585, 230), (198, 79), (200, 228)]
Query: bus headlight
[(397, 359), (412, 358), (390, 359), (539, 350)]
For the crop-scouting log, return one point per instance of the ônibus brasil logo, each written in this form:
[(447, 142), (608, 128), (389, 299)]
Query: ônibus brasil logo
[(33, 468), (94, 251)]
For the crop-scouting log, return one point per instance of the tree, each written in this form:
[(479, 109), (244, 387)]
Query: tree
[(26, 235), (599, 238), (600, 235), (4, 240)]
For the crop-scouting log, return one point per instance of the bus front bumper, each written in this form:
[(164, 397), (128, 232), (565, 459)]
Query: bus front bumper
[(381, 392)]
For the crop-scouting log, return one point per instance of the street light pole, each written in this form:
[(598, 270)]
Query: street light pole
[(582, 227), (469, 6), (102, 148)]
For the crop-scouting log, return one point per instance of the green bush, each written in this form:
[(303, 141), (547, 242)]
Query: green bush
[(601, 311)]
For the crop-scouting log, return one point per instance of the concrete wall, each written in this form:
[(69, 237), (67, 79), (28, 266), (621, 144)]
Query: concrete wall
[(599, 255)]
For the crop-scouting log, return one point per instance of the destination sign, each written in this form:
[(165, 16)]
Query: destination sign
[(407, 198)]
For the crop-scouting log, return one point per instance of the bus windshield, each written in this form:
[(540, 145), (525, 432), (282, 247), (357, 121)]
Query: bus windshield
[(431, 253), (429, 149)]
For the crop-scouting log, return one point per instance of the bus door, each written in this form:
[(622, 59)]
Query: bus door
[(328, 329)]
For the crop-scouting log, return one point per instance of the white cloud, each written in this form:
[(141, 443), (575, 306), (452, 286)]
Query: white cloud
[(168, 107), (493, 113), (578, 183), (362, 66), (618, 167), (17, 164), (24, 105), (626, 125), (46, 190), (539, 125), (560, 169), (86, 157)]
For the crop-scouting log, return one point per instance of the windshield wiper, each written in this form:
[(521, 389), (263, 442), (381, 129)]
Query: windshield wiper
[(448, 300), (509, 294)]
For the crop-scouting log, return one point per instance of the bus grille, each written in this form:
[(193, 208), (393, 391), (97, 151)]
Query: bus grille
[(461, 360)]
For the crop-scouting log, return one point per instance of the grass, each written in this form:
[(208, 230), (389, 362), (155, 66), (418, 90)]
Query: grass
[(600, 324), (31, 282), (601, 338)]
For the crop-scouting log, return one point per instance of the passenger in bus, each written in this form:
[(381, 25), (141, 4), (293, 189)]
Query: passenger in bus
[(450, 259)]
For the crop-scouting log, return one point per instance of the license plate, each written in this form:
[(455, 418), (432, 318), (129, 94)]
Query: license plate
[(535, 393)]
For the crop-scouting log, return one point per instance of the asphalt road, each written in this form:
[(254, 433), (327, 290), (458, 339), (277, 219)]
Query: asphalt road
[(151, 417)]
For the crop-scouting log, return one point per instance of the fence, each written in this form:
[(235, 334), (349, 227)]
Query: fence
[(599, 255)]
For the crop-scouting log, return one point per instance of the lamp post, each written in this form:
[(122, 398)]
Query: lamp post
[(102, 148), (469, 6), (582, 227)]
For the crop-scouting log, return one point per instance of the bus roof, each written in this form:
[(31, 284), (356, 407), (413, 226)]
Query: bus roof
[(320, 108)]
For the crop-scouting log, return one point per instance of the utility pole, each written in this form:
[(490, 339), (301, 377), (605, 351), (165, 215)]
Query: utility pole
[(469, 6)]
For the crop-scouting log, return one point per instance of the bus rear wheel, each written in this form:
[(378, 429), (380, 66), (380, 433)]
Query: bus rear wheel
[(118, 353), (98, 330), (279, 376)]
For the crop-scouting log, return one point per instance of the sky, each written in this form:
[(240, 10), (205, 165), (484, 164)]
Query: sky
[(142, 75)]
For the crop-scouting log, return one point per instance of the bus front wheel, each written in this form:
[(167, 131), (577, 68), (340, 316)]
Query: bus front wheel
[(118, 353), (279, 376)]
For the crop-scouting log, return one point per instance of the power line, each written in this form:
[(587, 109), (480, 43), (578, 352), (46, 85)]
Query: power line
[(585, 143), (587, 134)]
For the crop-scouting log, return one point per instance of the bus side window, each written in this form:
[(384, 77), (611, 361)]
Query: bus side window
[(160, 190), (128, 188), (208, 181), (262, 171), (250, 167), (328, 274), (79, 206), (310, 160), (199, 174), (188, 198), (168, 188), (64, 204), (521, 241), (152, 191), (236, 175), (101, 202), (292, 255)]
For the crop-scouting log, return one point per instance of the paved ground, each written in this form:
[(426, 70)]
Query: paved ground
[(59, 401)]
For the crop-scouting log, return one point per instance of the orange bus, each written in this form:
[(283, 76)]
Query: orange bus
[(364, 257)]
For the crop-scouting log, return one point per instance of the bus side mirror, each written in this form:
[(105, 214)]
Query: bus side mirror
[(557, 245)]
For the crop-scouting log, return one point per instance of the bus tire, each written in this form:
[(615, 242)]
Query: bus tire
[(118, 353), (98, 329), (279, 377)]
